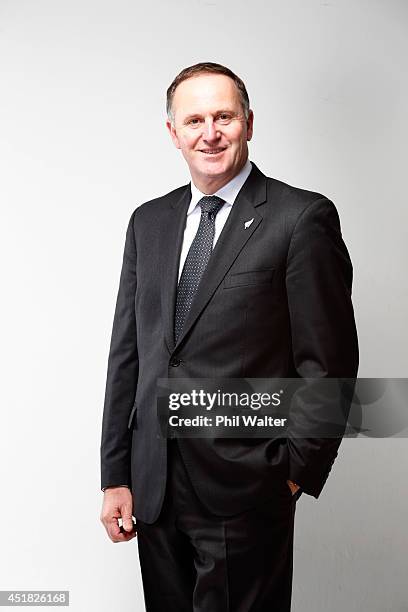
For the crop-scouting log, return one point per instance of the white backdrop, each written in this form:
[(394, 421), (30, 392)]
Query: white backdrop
[(83, 142)]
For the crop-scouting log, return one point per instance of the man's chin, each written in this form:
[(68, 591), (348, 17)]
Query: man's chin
[(214, 174), (213, 168)]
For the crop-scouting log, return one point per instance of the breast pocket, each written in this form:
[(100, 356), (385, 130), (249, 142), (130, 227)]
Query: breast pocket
[(252, 277)]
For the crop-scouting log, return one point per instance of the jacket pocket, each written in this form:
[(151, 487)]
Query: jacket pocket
[(254, 277), (133, 417)]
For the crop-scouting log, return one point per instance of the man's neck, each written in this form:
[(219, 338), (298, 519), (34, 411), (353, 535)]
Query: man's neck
[(210, 185)]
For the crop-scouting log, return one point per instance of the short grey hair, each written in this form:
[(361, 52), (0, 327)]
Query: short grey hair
[(206, 68)]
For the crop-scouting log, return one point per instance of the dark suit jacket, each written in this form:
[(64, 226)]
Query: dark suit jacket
[(274, 301)]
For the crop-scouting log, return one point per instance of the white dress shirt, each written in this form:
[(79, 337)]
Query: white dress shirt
[(228, 193)]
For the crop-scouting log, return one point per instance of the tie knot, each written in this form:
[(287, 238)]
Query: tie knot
[(211, 205)]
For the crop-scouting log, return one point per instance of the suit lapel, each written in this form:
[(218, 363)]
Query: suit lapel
[(229, 244), (171, 242)]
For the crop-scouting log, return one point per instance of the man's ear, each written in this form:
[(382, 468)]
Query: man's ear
[(173, 134), (250, 125)]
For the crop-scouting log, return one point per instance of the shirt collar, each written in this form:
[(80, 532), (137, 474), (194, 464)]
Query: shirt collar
[(228, 192)]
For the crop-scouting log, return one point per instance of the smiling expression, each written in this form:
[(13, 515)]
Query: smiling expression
[(210, 129)]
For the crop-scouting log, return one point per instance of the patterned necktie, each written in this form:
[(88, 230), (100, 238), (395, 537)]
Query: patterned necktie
[(196, 260)]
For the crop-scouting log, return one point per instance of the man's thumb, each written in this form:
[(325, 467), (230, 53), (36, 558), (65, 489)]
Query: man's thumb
[(127, 522)]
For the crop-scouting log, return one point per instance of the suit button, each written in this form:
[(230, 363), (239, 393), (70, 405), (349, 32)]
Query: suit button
[(175, 362)]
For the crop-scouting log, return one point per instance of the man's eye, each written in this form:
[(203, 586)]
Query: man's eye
[(194, 121), (224, 117)]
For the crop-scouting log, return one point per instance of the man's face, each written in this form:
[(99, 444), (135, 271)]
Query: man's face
[(210, 128)]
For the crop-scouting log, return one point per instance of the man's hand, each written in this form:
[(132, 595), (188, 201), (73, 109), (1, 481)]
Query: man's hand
[(293, 486), (117, 503)]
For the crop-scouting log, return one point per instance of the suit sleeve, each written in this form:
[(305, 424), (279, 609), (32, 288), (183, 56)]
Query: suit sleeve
[(122, 375), (324, 342)]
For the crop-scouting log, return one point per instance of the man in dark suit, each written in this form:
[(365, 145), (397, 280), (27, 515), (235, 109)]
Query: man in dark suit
[(235, 275)]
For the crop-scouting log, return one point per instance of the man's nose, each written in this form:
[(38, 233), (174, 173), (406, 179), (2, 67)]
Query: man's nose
[(210, 131)]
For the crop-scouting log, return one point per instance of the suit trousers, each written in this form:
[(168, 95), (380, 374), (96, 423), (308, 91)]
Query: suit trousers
[(194, 561)]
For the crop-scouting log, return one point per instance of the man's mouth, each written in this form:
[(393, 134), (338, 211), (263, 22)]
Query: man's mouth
[(213, 151)]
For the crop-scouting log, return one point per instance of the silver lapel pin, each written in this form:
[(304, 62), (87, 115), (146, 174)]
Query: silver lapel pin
[(248, 223)]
